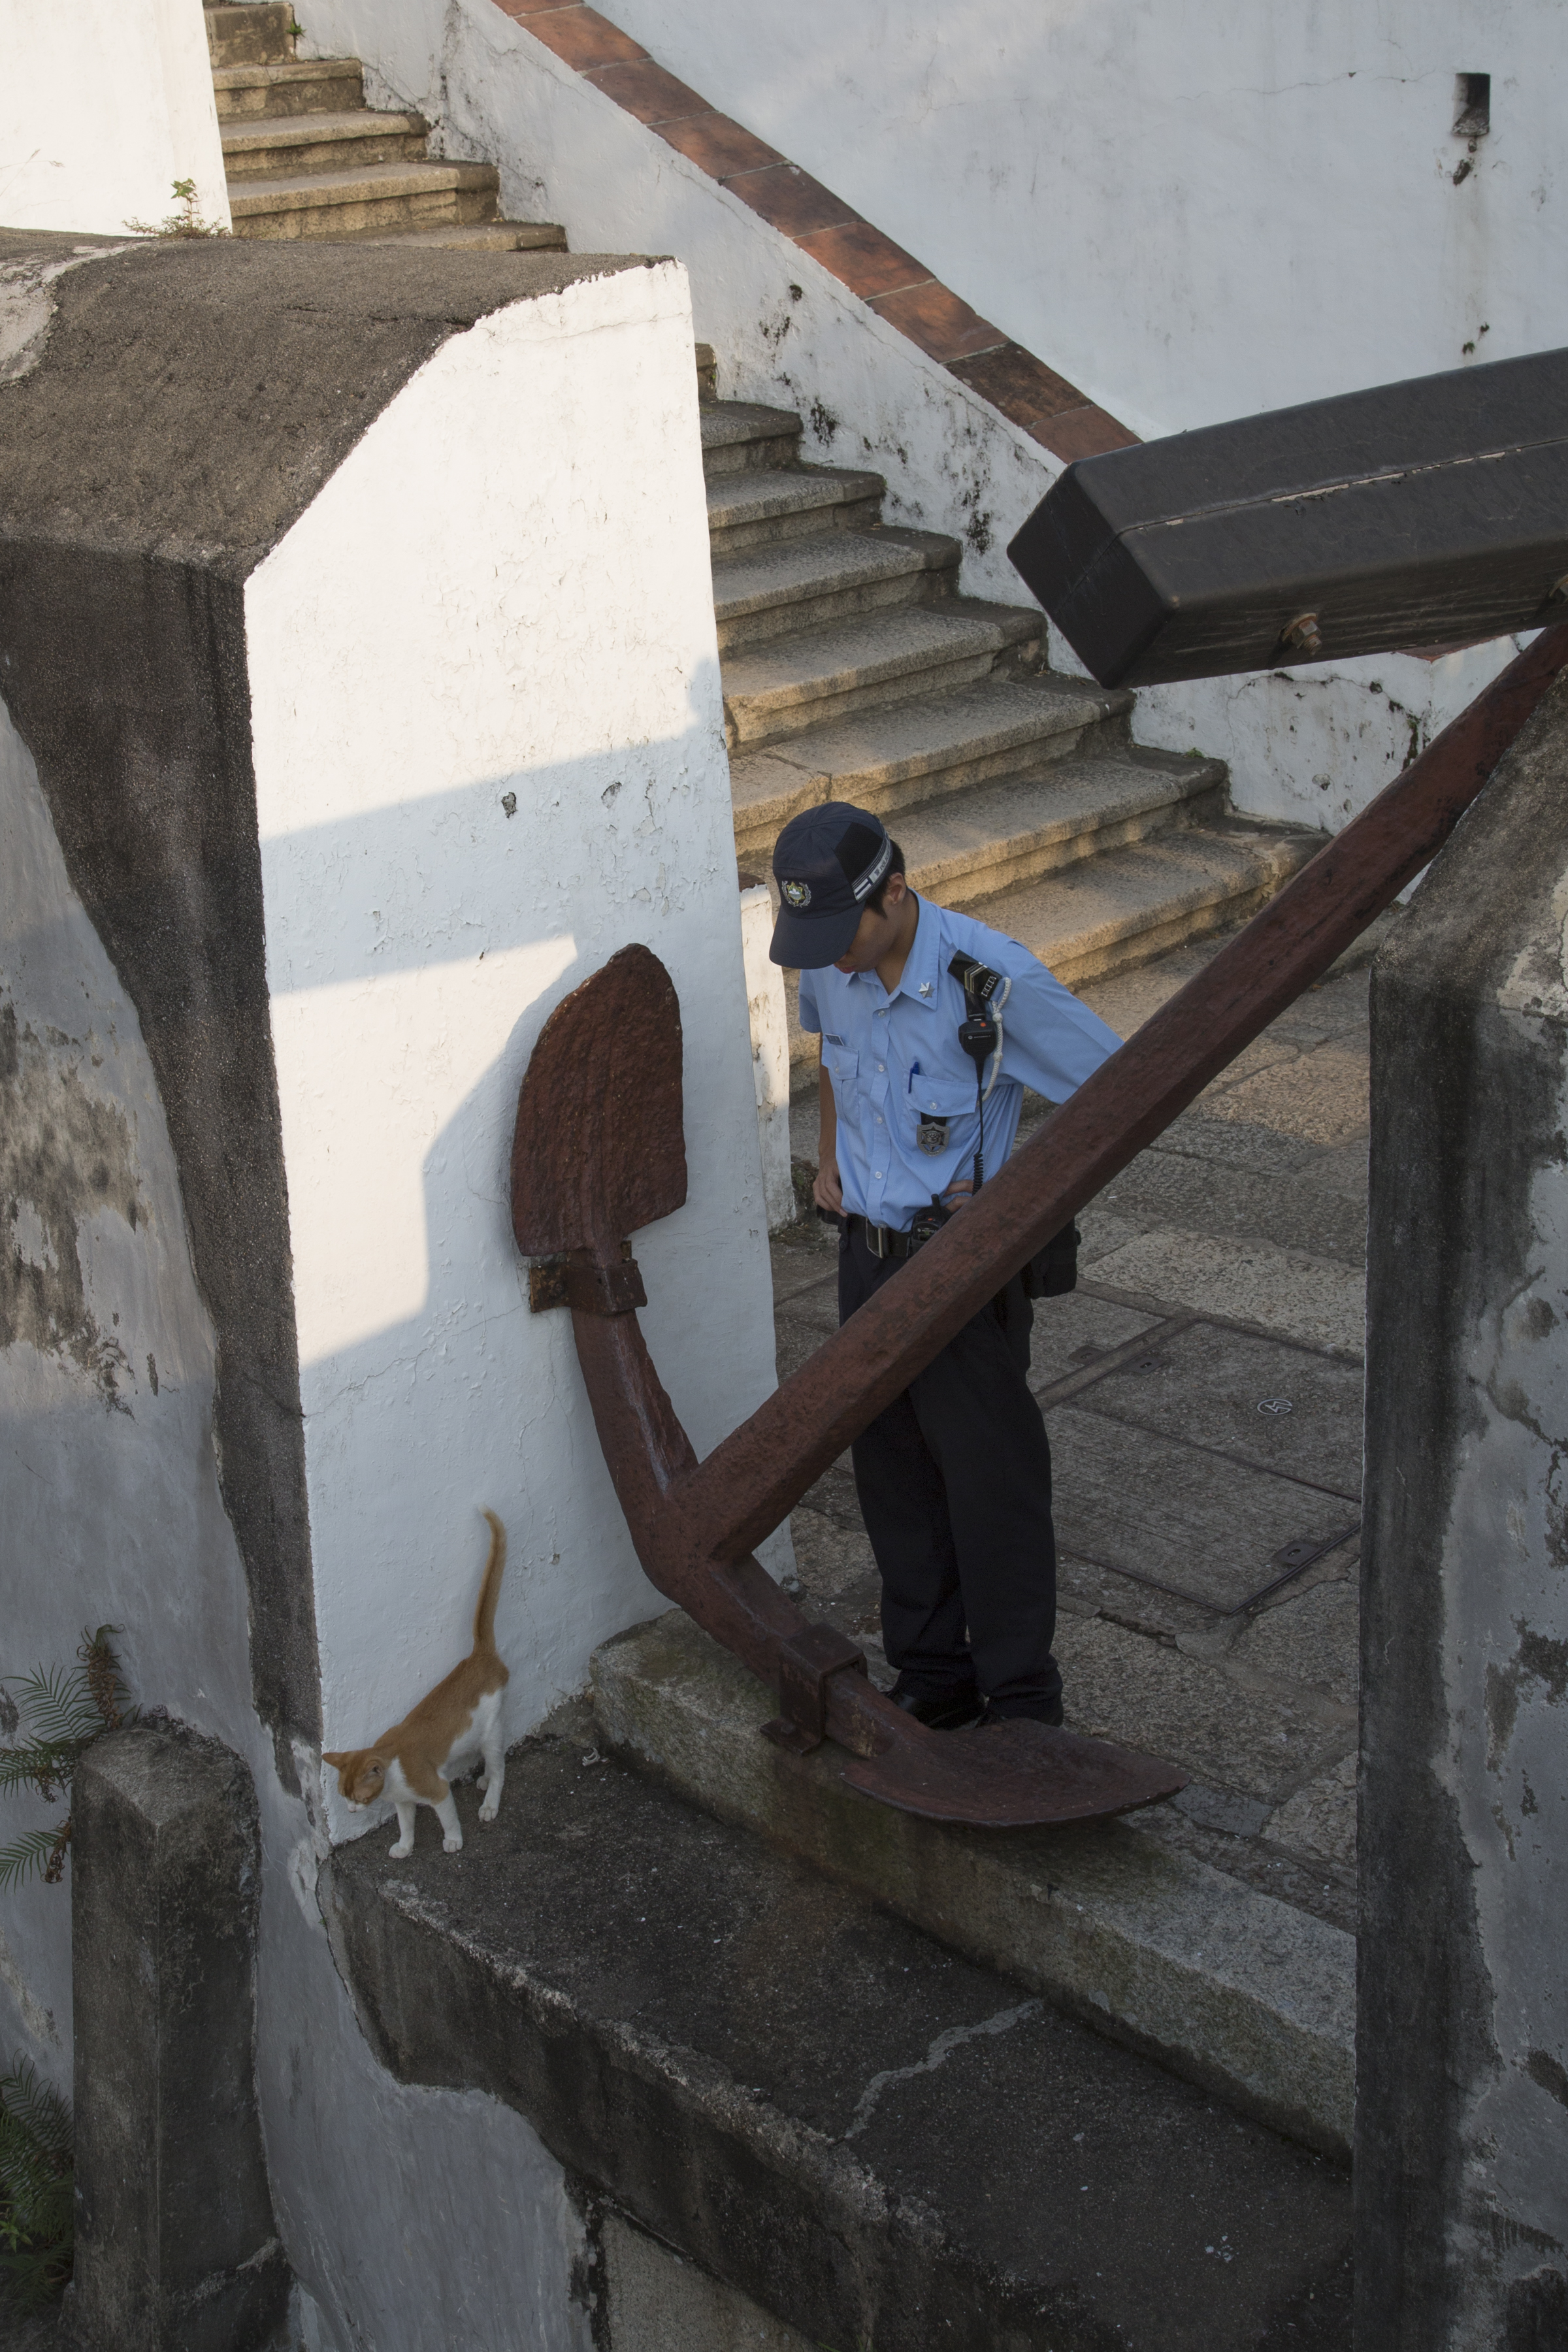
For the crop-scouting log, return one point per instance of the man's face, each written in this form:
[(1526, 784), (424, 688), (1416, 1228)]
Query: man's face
[(877, 933)]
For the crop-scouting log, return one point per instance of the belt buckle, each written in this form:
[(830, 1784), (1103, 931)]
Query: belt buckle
[(877, 1239)]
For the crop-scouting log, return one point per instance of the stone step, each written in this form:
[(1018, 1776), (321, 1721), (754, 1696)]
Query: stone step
[(382, 195), (906, 753), (803, 583), (1109, 913), (774, 691), (312, 143), (755, 506), (250, 33), (278, 92), (877, 2139), (479, 236), (1246, 1994), (738, 435), (974, 844)]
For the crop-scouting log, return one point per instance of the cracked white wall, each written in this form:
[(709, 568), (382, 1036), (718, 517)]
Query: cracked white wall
[(1505, 1592), (489, 752), (1194, 213), (110, 1511), (103, 108)]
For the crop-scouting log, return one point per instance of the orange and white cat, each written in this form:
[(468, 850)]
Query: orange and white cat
[(451, 1729)]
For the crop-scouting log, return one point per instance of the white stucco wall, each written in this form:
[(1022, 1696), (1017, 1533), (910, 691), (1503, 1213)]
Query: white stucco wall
[(502, 594), (1195, 212), (785, 330), (104, 104), (111, 1512)]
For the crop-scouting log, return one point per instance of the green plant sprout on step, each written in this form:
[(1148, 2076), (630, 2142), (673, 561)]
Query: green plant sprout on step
[(186, 221), (48, 1720)]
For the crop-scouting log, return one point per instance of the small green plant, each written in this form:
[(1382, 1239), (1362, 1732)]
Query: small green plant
[(186, 221), (49, 1724), (35, 2205)]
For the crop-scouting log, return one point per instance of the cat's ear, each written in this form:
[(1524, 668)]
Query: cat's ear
[(336, 1757)]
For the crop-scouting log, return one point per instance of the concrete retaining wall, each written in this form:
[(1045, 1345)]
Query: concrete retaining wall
[(356, 657), (1462, 2116)]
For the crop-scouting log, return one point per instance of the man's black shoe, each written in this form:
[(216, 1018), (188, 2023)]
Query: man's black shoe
[(1044, 1710), (949, 1710)]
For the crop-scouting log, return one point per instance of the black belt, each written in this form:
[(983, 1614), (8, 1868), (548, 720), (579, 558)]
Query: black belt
[(887, 1241)]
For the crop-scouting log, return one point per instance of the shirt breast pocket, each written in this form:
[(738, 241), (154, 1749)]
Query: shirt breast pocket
[(844, 1068), (938, 1115)]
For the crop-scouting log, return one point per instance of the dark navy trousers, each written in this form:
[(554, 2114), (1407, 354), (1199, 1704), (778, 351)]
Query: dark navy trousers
[(954, 1482)]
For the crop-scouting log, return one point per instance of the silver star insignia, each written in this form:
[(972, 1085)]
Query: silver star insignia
[(925, 987)]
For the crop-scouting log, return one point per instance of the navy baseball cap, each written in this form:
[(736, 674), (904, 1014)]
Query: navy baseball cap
[(827, 863)]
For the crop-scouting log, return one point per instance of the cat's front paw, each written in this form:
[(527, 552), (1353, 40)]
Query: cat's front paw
[(404, 1845), (490, 1809), (453, 1844), (484, 1782)]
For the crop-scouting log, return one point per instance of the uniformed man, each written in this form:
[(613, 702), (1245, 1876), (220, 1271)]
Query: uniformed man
[(954, 1478)]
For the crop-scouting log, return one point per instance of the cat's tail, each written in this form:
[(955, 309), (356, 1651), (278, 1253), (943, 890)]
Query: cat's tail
[(489, 1591)]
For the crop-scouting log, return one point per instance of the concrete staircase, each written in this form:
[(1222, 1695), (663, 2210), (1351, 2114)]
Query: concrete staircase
[(855, 670), (305, 156)]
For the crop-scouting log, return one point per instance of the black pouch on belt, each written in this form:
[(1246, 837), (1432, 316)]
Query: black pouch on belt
[(1052, 1271)]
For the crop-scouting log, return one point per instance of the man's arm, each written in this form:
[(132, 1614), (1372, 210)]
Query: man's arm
[(827, 1192)]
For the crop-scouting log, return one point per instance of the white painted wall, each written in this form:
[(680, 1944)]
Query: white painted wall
[(503, 590), (770, 1052), (502, 594), (104, 104), (785, 332), (111, 1512), (1193, 210)]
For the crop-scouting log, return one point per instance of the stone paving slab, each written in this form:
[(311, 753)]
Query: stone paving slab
[(1314, 1299), (1281, 1407), (1251, 1996)]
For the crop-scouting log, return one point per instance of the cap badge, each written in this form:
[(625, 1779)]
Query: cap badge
[(797, 893)]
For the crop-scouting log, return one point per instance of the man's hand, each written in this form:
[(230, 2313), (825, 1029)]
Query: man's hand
[(961, 1194), (827, 1192)]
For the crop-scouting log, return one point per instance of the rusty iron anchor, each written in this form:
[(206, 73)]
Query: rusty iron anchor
[(593, 1164)]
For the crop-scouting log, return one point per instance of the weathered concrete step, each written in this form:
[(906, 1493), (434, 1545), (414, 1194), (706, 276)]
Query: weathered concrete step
[(777, 690), (758, 505), (250, 33), (802, 583), (907, 753), (877, 2141), (1245, 1994), (278, 92), (320, 142), (1111, 913), (976, 843), (739, 435), (478, 236), (382, 195)]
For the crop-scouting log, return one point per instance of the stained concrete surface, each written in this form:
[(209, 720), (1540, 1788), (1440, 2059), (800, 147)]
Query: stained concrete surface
[(874, 2138), (1203, 1392)]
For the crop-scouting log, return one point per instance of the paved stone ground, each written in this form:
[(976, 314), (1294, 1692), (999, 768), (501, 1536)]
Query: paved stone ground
[(1203, 1393)]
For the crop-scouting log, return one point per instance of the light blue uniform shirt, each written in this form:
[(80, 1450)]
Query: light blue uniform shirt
[(895, 1061)]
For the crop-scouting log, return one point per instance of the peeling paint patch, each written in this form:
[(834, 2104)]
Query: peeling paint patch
[(66, 1155)]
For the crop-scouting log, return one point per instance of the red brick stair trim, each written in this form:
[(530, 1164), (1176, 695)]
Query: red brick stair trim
[(1052, 411)]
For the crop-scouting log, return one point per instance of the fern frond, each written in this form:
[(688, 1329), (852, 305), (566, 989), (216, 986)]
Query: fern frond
[(33, 1851), (56, 1703), (41, 1764), (37, 2218), (30, 2104)]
